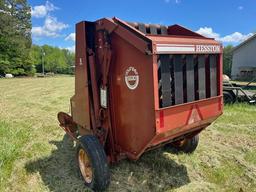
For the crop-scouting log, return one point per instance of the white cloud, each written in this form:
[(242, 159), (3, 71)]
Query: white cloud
[(240, 8), (42, 10), (235, 37), (71, 36), (41, 31), (208, 32), (52, 24), (38, 11), (175, 1), (51, 28), (71, 48)]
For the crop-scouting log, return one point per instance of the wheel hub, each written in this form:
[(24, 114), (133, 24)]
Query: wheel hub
[(85, 165)]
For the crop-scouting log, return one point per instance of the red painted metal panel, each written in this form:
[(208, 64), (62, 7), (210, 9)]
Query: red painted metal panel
[(182, 31), (80, 101), (133, 107), (178, 116)]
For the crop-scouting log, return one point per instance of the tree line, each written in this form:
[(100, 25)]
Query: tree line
[(17, 54), (53, 59)]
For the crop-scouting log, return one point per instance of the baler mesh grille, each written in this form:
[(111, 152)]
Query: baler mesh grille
[(187, 78)]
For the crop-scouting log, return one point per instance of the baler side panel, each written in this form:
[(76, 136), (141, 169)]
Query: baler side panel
[(176, 117), (134, 117), (80, 101)]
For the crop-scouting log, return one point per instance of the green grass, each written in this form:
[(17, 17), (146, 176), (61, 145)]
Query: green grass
[(35, 154), (250, 156)]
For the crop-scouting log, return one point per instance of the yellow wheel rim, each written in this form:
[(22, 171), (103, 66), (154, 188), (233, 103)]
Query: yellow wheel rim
[(85, 165), (180, 143)]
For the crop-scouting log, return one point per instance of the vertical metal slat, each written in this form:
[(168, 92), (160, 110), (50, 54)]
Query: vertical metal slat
[(153, 29), (201, 76), (190, 78), (159, 73), (163, 30), (142, 28), (213, 75), (165, 80), (178, 79)]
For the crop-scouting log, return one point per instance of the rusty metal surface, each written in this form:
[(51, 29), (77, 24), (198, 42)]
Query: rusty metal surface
[(80, 101), (133, 108), (66, 121), (182, 31), (94, 86)]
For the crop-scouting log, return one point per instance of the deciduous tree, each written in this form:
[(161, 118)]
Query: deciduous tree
[(227, 59), (15, 37)]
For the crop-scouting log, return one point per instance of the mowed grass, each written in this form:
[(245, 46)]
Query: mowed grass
[(35, 154)]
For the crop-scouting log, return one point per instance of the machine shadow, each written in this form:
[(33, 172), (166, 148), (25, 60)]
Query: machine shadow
[(59, 171), (154, 171)]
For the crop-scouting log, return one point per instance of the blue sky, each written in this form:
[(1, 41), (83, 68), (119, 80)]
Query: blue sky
[(229, 21)]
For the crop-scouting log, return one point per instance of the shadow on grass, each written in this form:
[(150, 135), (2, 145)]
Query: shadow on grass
[(154, 171), (59, 170)]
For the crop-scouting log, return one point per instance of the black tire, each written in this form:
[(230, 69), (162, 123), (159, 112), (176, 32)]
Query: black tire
[(100, 174), (228, 97), (187, 145)]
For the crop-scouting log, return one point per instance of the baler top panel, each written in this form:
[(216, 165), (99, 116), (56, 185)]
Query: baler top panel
[(164, 39)]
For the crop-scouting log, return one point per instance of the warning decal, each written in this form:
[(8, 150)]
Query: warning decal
[(194, 116)]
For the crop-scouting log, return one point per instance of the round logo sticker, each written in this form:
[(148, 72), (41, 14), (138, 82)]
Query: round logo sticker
[(131, 78)]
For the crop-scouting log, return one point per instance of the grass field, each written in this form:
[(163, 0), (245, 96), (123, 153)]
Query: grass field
[(35, 154)]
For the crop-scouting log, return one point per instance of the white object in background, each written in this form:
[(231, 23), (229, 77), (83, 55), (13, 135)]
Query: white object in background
[(8, 75), (225, 78)]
